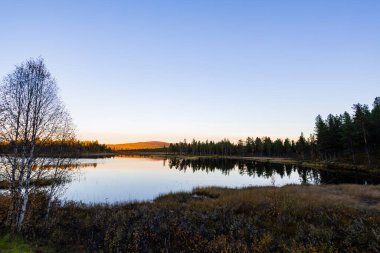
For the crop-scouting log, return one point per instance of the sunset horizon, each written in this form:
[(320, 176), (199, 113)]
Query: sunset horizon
[(126, 70)]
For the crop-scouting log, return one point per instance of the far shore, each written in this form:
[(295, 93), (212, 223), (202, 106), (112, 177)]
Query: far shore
[(313, 164)]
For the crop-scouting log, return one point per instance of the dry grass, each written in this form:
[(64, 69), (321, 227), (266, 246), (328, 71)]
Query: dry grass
[(355, 196), (331, 218)]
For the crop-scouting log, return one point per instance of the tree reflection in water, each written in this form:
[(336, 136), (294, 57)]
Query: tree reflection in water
[(267, 170)]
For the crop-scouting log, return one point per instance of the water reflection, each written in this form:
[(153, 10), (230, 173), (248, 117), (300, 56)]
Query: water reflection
[(126, 178), (267, 170), (130, 178)]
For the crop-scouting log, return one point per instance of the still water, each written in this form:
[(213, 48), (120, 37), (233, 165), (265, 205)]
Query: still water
[(121, 179)]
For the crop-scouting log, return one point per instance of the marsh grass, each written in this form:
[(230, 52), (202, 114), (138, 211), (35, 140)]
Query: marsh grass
[(331, 218)]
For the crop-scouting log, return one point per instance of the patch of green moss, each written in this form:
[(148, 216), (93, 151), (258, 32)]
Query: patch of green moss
[(10, 243)]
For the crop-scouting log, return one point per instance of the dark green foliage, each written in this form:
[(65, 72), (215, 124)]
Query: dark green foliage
[(356, 136), (374, 132), (251, 147)]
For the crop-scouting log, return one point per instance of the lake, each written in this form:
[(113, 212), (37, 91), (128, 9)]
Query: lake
[(129, 178)]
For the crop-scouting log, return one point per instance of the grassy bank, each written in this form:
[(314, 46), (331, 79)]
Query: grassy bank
[(10, 243), (328, 218)]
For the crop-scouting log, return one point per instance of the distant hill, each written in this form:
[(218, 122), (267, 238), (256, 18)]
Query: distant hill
[(139, 145)]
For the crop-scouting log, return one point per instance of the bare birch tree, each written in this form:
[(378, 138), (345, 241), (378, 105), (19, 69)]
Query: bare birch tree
[(31, 116)]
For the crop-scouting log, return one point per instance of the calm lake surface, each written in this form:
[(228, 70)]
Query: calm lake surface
[(121, 179)]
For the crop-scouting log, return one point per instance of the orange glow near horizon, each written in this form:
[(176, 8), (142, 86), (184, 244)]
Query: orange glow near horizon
[(112, 139)]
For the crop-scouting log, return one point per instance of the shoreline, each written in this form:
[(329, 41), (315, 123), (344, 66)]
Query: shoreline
[(323, 165)]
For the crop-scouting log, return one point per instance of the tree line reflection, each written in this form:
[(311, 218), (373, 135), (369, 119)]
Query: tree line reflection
[(269, 170)]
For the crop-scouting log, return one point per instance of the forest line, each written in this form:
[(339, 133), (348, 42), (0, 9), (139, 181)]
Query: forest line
[(353, 136)]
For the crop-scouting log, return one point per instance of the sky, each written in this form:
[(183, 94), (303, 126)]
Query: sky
[(172, 70)]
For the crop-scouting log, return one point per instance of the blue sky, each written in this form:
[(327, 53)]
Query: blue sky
[(168, 70)]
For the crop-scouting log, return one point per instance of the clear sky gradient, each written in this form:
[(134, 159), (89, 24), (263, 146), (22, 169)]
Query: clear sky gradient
[(168, 70)]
